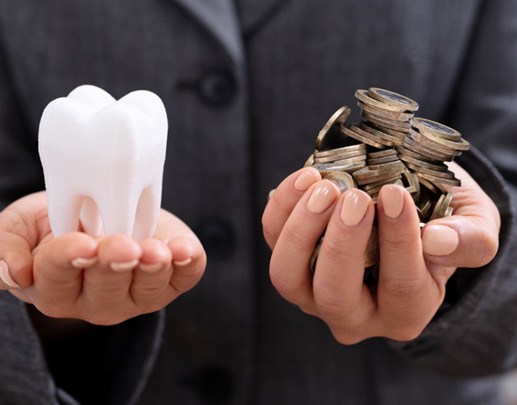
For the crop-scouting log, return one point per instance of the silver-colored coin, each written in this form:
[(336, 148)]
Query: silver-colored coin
[(353, 150), (392, 98), (424, 125), (363, 96), (343, 180), (325, 168)]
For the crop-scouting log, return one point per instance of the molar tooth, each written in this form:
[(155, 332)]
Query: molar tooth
[(103, 161)]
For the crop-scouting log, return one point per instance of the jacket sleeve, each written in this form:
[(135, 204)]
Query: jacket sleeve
[(475, 333), (105, 364)]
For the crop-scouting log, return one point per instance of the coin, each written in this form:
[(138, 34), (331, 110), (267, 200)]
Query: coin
[(328, 133), (389, 146), (392, 98), (424, 125)]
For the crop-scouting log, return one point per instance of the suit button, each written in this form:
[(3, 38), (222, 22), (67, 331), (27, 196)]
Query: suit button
[(217, 236), (217, 88)]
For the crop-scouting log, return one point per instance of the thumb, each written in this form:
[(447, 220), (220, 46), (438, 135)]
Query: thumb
[(468, 238), (15, 262), (22, 225)]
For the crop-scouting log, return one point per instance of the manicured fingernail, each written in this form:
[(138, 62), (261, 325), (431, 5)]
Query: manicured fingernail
[(124, 266), (439, 240), (5, 275), (183, 262), (354, 207), (82, 263), (392, 201), (306, 178), (322, 197)]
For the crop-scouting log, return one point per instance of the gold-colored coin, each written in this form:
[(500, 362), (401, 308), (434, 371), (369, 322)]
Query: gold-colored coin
[(343, 180), (393, 115), (394, 99), (325, 136), (424, 125)]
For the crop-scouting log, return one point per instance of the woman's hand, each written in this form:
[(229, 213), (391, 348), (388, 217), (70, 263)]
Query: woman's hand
[(103, 280), (414, 264)]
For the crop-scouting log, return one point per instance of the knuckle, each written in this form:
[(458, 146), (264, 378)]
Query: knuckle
[(403, 288), (296, 234), (334, 309)]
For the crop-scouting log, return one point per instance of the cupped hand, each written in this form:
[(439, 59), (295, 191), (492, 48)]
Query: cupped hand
[(414, 264), (103, 280)]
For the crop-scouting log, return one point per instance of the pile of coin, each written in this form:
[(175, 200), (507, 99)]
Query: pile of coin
[(389, 146)]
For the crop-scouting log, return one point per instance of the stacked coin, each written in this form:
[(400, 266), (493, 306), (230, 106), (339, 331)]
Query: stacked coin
[(389, 146)]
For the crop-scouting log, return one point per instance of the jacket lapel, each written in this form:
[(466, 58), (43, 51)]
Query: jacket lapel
[(220, 18), (255, 13)]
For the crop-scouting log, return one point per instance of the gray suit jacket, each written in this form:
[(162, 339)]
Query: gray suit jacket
[(247, 87)]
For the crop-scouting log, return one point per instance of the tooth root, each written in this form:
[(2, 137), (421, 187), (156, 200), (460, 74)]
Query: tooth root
[(146, 216), (103, 161), (63, 212), (90, 217)]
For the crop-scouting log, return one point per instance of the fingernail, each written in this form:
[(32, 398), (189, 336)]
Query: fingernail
[(392, 201), (305, 179), (151, 268), (82, 263), (439, 240), (5, 275), (124, 266), (354, 207), (183, 262), (322, 197)]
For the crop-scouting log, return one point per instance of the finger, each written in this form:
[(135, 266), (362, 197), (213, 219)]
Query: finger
[(289, 270), (407, 294), (21, 226), (470, 237), (341, 297), (107, 283), (189, 263), (283, 201), (151, 277), (15, 262), (56, 279)]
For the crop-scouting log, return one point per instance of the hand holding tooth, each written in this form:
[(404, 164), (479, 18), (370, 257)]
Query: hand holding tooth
[(103, 165), (102, 280)]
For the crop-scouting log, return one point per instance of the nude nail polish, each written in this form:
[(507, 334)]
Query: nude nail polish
[(183, 262), (439, 240), (124, 266), (392, 201), (5, 275), (322, 197), (354, 207), (305, 179), (83, 263)]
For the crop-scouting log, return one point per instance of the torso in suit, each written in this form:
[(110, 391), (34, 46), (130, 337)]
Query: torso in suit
[(247, 87)]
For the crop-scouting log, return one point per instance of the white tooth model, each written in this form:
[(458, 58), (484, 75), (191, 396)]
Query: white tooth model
[(103, 161)]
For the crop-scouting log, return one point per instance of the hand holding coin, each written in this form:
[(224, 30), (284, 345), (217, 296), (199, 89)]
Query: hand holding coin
[(413, 269), (378, 198)]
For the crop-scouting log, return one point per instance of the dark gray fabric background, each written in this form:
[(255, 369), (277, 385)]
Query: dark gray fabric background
[(247, 88)]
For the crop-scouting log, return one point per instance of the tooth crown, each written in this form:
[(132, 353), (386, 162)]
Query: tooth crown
[(103, 161)]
